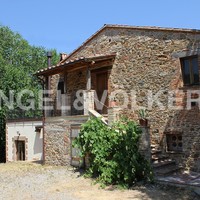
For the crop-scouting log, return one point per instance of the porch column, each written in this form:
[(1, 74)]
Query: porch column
[(88, 95), (88, 86), (88, 101), (113, 114)]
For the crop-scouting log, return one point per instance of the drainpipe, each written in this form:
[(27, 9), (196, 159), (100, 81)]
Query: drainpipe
[(49, 55), (43, 123), (43, 115)]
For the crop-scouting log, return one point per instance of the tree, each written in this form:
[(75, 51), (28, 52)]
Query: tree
[(18, 62)]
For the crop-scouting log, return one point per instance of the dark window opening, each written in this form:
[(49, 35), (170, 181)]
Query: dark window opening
[(193, 104), (61, 87), (190, 70), (174, 142)]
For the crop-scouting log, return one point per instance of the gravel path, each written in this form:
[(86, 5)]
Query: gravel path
[(28, 181)]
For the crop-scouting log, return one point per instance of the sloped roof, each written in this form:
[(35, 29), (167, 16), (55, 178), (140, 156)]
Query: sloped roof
[(67, 62), (74, 64), (116, 26)]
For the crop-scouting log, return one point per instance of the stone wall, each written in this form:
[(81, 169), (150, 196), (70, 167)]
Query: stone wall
[(149, 60), (57, 144), (75, 81), (146, 60), (186, 122)]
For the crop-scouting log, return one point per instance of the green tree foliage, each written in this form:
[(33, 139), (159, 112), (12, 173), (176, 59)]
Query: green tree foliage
[(113, 151), (18, 62)]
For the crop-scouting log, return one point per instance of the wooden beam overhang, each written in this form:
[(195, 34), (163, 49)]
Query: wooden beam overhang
[(81, 63)]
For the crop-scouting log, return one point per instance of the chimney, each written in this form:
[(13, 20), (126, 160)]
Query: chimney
[(49, 55), (63, 56)]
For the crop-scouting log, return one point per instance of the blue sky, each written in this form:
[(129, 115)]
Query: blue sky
[(64, 25)]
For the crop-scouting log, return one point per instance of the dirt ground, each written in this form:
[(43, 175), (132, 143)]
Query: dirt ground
[(34, 181)]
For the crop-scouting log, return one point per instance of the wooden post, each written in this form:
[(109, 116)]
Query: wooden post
[(88, 99), (88, 86)]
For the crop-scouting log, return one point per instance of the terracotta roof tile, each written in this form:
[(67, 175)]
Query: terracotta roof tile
[(77, 60)]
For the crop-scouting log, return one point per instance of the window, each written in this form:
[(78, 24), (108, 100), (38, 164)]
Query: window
[(174, 142), (190, 70), (193, 104), (61, 86)]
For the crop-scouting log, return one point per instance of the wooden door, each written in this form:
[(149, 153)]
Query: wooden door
[(101, 103), (20, 150)]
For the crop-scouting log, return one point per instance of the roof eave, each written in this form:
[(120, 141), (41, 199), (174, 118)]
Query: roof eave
[(81, 62)]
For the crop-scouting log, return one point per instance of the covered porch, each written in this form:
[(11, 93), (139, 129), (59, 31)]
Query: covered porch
[(78, 86)]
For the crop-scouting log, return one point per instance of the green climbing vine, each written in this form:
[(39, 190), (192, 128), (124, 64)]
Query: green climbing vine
[(114, 155)]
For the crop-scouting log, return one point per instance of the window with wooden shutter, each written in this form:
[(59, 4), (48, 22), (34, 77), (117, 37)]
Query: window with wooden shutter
[(190, 70)]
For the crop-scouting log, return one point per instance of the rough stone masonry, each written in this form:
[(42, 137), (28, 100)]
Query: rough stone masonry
[(147, 59)]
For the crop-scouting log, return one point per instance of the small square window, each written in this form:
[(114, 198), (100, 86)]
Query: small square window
[(193, 104), (174, 142), (190, 70)]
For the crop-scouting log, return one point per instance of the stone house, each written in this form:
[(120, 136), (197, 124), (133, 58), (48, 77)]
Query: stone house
[(153, 67)]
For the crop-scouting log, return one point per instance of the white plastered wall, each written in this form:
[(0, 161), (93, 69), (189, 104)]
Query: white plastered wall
[(34, 144)]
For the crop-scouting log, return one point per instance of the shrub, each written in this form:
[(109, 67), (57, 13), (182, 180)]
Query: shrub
[(114, 155)]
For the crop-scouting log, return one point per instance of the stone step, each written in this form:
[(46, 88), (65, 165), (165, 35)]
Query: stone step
[(153, 146), (159, 157), (153, 152), (164, 171), (161, 164)]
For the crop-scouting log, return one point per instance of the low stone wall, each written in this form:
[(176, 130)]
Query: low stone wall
[(186, 122), (57, 139), (57, 142)]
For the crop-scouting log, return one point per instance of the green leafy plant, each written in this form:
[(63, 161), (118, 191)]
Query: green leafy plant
[(142, 113), (114, 155)]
